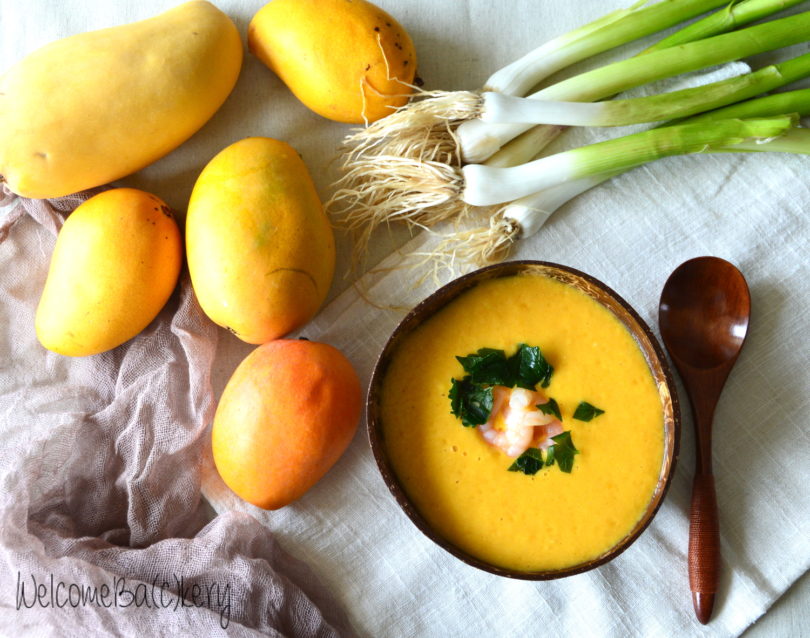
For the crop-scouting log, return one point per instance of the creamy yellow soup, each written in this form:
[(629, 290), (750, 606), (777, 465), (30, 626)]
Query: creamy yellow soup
[(460, 483)]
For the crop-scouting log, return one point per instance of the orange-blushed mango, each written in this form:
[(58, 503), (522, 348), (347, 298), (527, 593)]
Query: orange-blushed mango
[(115, 263), (347, 60), (287, 414), (260, 248)]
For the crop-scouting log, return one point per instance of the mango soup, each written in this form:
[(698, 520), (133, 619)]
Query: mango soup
[(461, 485)]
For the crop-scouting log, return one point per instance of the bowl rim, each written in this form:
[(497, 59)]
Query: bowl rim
[(662, 375)]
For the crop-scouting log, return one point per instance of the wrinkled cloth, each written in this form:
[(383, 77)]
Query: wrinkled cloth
[(100, 469)]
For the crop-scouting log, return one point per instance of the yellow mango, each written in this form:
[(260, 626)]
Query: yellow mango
[(260, 248), (95, 107), (114, 266), (347, 60)]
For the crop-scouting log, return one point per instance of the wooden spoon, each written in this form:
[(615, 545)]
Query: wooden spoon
[(703, 316)]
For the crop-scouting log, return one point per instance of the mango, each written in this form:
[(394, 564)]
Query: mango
[(94, 107), (347, 60), (115, 263), (260, 248), (287, 414)]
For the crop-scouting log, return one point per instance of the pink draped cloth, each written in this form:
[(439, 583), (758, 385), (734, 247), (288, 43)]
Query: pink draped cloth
[(102, 527)]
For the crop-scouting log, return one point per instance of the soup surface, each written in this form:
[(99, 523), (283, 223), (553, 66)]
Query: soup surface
[(461, 484)]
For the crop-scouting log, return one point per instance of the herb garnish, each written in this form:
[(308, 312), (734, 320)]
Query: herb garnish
[(550, 407), (524, 369), (585, 411), (487, 366), (470, 402), (530, 367), (562, 453), (471, 399), (529, 462)]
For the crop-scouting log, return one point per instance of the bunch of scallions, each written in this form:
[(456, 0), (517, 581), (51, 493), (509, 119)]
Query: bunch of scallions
[(477, 156)]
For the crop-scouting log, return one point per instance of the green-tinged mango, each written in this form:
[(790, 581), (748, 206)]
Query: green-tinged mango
[(260, 249)]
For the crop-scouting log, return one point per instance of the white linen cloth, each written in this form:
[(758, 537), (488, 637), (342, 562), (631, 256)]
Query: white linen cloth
[(630, 233)]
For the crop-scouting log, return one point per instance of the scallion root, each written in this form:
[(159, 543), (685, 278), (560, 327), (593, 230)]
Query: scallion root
[(404, 167), (477, 246), (392, 188), (410, 129)]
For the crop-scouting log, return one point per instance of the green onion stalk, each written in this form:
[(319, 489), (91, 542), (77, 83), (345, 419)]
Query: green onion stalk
[(496, 107), (488, 185), (735, 14), (610, 31)]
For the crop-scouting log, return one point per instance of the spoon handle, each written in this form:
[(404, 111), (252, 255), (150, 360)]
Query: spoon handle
[(704, 546)]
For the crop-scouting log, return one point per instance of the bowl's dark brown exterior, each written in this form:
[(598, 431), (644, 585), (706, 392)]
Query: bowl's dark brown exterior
[(605, 296)]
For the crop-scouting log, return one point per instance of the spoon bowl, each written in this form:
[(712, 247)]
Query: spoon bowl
[(704, 312), (703, 316)]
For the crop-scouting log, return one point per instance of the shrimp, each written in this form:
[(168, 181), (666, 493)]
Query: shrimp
[(552, 429), (515, 421)]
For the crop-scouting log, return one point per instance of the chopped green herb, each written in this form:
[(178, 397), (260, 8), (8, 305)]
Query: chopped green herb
[(529, 367), (487, 366), (562, 452), (529, 462), (525, 369), (455, 397), (470, 402), (471, 398), (585, 411), (550, 407), (550, 456)]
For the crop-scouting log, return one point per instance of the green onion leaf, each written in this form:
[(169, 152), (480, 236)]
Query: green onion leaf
[(470, 402), (585, 412), (529, 462), (550, 407)]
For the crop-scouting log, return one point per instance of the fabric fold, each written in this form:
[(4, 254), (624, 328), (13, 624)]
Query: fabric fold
[(104, 529)]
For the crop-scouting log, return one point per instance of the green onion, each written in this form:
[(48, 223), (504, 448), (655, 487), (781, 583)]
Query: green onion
[(396, 150), (795, 141), (610, 31), (733, 16), (526, 146), (797, 101), (488, 185), (479, 140), (503, 108)]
